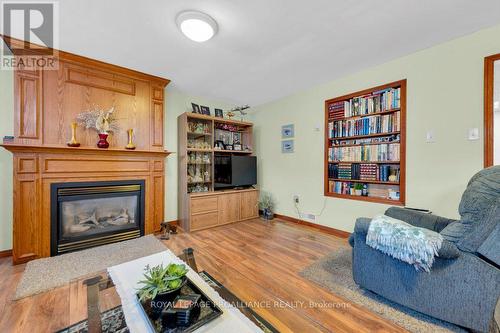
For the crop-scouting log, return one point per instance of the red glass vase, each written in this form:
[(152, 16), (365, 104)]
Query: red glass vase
[(102, 143)]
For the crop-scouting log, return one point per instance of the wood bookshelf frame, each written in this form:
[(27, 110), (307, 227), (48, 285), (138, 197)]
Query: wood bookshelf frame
[(402, 161), (489, 83)]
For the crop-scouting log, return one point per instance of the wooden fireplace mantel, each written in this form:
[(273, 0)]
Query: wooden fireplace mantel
[(15, 148), (46, 102)]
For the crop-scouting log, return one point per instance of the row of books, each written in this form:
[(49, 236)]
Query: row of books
[(364, 126), (368, 190), (373, 153), (364, 171), (345, 187), (378, 101), (367, 141)]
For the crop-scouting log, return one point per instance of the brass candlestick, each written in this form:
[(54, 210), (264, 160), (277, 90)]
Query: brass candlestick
[(130, 144), (73, 142)]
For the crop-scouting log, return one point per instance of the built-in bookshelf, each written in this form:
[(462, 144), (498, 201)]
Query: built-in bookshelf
[(365, 145)]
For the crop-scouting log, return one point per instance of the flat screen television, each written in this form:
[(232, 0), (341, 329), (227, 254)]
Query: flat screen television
[(231, 171)]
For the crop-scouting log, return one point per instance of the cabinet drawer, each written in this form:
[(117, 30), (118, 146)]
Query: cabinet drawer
[(202, 221), (199, 205)]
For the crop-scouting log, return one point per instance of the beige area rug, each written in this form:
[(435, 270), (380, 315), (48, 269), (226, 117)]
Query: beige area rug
[(48, 273), (334, 272)]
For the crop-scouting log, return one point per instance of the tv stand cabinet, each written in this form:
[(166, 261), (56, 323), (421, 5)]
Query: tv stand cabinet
[(211, 209), (198, 138)]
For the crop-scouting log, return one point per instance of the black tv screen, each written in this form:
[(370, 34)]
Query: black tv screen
[(232, 171)]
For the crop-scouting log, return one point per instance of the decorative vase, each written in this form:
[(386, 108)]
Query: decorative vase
[(268, 214), (130, 144), (102, 143), (73, 142)]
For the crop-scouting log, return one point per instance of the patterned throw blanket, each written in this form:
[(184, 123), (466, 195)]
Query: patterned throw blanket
[(414, 245)]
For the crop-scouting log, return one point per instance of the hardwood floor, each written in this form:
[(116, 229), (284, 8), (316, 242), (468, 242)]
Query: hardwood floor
[(258, 261)]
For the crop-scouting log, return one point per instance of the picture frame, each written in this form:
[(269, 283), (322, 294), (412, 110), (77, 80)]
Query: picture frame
[(219, 145), (287, 146), (237, 146), (287, 131), (195, 107), (219, 113), (205, 110), (236, 138)]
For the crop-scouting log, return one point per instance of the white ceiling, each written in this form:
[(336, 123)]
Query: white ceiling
[(265, 49)]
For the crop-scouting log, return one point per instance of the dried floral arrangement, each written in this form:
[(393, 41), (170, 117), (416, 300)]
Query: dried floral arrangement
[(101, 120)]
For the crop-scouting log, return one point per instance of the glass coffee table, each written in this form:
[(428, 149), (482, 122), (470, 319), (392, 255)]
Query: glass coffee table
[(95, 306)]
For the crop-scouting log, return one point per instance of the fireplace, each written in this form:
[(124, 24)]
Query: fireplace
[(87, 214)]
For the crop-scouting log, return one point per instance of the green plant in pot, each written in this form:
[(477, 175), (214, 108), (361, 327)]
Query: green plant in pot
[(266, 204), (358, 188), (162, 284)]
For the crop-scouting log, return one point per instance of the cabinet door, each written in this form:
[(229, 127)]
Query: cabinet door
[(229, 208), (27, 228), (203, 221), (249, 207)]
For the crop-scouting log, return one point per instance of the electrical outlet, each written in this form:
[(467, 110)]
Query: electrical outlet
[(311, 217), (296, 198), (473, 134), (430, 137)]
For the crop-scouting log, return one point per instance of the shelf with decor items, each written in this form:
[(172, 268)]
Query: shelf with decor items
[(365, 145), (200, 139)]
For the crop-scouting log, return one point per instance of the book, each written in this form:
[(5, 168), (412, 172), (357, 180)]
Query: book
[(365, 153)]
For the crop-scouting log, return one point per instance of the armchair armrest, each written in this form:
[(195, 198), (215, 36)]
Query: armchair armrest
[(448, 250), (419, 219), (362, 225), (360, 228)]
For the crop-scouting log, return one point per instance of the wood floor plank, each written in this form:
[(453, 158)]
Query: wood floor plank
[(258, 261)]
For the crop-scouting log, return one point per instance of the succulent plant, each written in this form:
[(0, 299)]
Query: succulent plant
[(160, 279)]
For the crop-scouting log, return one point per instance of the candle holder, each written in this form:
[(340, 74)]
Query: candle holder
[(73, 142), (130, 144)]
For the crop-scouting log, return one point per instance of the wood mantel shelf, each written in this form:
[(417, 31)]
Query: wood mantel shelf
[(13, 147)]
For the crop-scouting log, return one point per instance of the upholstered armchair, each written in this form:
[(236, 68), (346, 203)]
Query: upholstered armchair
[(463, 286)]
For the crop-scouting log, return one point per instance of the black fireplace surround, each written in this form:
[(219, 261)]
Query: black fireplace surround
[(88, 214)]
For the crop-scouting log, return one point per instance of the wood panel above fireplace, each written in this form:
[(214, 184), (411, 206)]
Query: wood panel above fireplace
[(46, 102)]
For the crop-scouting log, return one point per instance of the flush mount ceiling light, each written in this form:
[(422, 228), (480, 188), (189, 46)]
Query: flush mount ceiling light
[(196, 26)]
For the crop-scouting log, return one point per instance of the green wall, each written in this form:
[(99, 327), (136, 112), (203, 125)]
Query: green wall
[(6, 128), (176, 103), (445, 94)]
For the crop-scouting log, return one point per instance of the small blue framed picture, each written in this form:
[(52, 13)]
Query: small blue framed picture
[(287, 131), (287, 146)]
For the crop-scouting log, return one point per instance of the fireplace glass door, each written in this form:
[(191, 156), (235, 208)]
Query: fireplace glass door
[(91, 214)]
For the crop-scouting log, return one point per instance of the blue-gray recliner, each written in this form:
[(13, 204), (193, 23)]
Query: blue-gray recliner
[(463, 286)]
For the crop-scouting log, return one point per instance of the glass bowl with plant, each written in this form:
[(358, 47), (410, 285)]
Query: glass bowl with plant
[(162, 284)]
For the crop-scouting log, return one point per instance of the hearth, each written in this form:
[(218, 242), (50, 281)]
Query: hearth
[(88, 214)]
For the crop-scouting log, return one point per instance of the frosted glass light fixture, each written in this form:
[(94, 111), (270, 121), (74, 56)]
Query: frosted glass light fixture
[(196, 26)]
